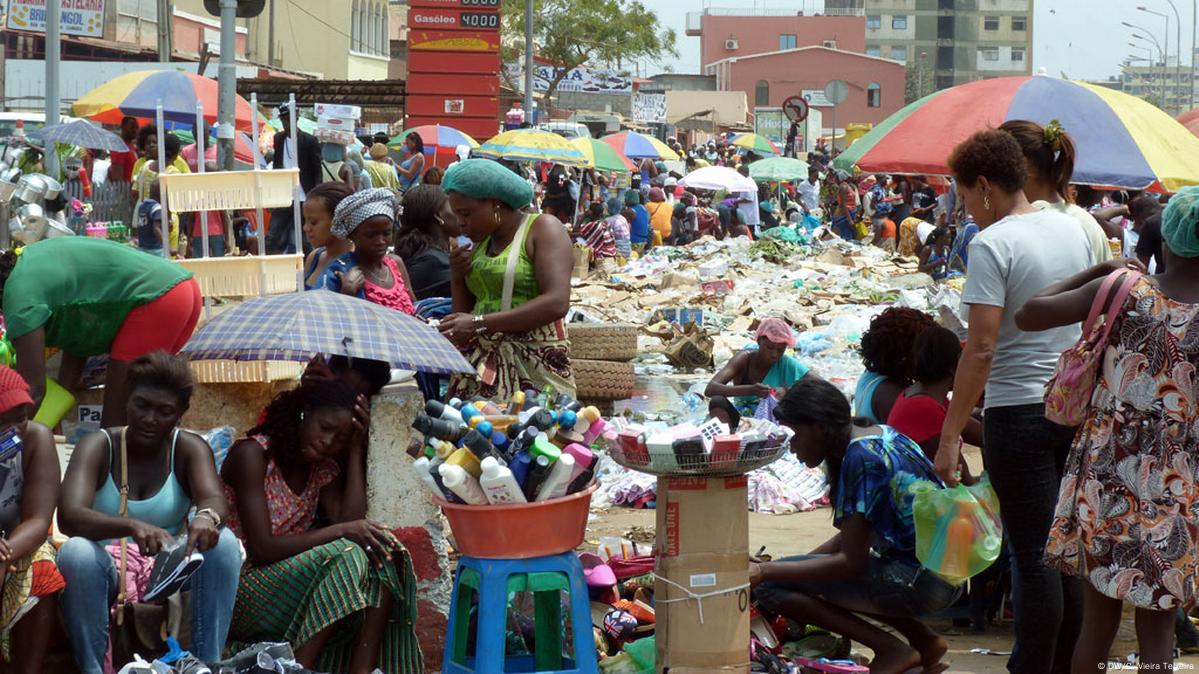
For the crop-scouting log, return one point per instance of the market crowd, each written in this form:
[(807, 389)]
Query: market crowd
[(1097, 489)]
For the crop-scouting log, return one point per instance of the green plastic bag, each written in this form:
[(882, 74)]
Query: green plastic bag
[(958, 532), (644, 653)]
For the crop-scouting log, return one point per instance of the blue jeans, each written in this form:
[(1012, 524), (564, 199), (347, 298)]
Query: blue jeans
[(888, 588), (91, 576), (216, 246), (1025, 454)]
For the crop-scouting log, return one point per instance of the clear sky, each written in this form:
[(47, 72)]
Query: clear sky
[(1082, 38)]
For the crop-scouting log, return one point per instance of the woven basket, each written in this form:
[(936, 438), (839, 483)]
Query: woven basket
[(602, 380), (603, 341)]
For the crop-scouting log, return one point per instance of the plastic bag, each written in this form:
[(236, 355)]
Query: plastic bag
[(765, 409), (958, 532)]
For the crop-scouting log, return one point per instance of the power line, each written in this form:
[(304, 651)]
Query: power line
[(319, 20)]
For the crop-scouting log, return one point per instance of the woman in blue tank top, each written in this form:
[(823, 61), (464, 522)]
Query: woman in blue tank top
[(167, 473)]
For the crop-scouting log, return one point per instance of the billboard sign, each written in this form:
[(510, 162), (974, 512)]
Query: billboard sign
[(79, 17), (454, 40)]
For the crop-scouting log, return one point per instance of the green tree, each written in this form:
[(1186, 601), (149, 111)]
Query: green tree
[(919, 81), (572, 33)]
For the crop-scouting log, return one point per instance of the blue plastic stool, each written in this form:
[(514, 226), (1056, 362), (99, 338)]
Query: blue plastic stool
[(494, 580)]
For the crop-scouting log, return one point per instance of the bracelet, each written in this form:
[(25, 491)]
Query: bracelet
[(477, 321), (210, 514)]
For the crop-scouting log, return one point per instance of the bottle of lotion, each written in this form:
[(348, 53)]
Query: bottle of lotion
[(462, 484), (558, 480), (498, 485)]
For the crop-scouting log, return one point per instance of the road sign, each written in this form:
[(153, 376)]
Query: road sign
[(795, 108), (836, 92)]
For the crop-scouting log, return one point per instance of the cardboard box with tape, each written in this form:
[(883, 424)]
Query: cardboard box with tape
[(702, 593)]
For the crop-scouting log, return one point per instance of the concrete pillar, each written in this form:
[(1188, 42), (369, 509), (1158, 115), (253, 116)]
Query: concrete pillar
[(395, 497)]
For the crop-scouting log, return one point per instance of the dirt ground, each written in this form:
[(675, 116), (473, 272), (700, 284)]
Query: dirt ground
[(784, 535)]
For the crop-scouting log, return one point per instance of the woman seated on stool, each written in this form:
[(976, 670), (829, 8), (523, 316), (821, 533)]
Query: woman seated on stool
[(869, 568), (751, 375), (342, 592), (168, 472)]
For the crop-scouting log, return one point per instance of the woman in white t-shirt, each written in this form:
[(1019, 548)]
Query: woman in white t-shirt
[(1019, 251), (1049, 157)]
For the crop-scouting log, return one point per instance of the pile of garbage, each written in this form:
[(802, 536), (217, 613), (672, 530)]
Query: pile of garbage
[(698, 305)]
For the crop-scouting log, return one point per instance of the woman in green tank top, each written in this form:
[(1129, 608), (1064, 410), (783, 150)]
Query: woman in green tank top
[(511, 286)]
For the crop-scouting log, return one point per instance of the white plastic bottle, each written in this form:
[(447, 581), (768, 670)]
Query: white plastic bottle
[(559, 479), (464, 486), (422, 467), (498, 485)]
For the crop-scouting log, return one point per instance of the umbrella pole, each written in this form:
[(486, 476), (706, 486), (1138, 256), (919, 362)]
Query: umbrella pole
[(162, 169), (201, 136), (260, 224), (295, 203)]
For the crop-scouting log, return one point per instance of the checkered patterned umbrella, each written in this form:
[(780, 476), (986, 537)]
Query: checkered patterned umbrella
[(298, 325)]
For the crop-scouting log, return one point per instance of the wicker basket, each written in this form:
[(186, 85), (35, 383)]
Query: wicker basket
[(602, 380), (603, 341), (237, 371)]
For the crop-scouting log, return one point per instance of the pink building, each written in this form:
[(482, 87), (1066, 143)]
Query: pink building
[(876, 85), (724, 36)]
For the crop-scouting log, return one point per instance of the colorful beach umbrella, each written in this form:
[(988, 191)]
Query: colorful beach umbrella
[(601, 156), (435, 136), (1190, 119), (635, 145), (531, 145), (137, 94), (1122, 141), (755, 143), (297, 326), (778, 169)]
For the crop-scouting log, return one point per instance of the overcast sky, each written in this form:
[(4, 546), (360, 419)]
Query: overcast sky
[(1082, 38)]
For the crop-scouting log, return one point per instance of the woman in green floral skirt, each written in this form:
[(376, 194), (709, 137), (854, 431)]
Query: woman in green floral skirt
[(341, 593)]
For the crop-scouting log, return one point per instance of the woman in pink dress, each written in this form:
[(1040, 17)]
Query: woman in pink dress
[(371, 271)]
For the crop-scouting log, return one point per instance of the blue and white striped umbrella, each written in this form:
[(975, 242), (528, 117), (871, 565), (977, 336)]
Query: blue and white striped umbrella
[(299, 325), (83, 134)]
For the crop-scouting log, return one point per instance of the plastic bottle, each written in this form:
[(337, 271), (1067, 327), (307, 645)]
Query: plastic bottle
[(462, 484), (519, 465), (959, 538), (539, 470), (500, 442), (484, 427), (518, 401), (498, 484), (469, 411), (466, 460), (543, 447), (481, 447), (437, 428), (422, 470), (558, 480), (440, 410), (584, 458)]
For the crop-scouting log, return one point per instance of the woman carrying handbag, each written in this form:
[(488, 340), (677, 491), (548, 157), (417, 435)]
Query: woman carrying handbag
[(1126, 517)]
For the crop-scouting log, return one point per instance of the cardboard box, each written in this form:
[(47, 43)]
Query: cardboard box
[(703, 547)]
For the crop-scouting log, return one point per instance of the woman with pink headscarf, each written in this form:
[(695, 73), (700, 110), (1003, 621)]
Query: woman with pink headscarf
[(751, 375)]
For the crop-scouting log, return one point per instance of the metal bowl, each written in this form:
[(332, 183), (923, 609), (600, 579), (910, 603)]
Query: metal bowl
[(53, 187), (31, 188), (18, 232), (57, 228), (6, 190), (33, 219), (10, 175)]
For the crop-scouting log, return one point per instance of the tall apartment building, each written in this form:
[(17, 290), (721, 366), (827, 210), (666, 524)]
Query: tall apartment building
[(957, 41)]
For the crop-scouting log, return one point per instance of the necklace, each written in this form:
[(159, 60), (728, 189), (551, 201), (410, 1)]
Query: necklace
[(379, 277)]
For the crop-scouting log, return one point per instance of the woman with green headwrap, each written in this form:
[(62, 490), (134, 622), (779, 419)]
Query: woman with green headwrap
[(511, 286), (1128, 512)]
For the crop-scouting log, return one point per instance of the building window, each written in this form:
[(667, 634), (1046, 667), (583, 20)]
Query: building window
[(762, 93), (989, 53), (874, 95), (787, 42), (1017, 54), (874, 22), (874, 51), (1019, 23), (899, 53), (354, 27), (990, 23), (899, 23)]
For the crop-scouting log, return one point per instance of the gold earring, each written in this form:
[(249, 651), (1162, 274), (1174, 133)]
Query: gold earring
[(496, 213), (987, 202)]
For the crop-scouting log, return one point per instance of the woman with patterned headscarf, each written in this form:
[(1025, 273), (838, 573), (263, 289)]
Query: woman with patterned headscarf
[(1126, 519), (371, 271), (511, 288)]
